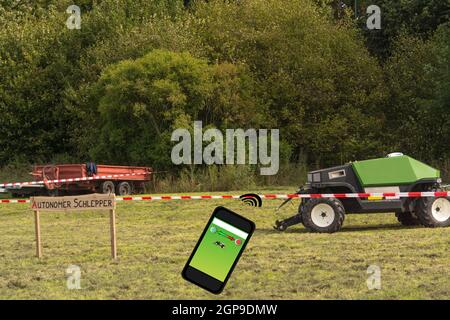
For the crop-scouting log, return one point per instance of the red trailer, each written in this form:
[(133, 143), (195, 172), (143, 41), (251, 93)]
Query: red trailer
[(122, 180)]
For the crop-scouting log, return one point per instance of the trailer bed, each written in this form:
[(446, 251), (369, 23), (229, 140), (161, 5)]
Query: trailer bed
[(122, 180)]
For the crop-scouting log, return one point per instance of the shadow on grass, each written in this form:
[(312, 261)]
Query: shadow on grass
[(379, 227), (385, 227)]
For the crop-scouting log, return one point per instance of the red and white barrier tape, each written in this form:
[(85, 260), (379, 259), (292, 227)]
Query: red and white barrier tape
[(15, 200), (390, 195), (151, 198), (30, 183)]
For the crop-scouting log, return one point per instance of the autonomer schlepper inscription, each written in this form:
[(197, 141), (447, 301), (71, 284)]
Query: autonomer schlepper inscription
[(88, 202)]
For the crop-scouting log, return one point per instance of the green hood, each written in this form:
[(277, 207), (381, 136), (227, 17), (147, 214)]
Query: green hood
[(392, 171)]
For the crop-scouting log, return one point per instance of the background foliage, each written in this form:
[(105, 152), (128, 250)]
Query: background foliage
[(115, 90)]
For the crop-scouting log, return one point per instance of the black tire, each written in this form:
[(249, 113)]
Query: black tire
[(430, 214), (407, 219), (333, 218), (107, 187), (123, 189), (138, 187), (17, 195)]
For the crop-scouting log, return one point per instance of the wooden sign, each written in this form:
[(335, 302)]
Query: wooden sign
[(75, 203), (94, 201)]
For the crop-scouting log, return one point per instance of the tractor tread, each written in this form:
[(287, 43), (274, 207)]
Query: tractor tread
[(424, 213), (339, 210), (407, 219)]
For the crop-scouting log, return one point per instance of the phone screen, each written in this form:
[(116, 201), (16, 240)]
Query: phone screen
[(218, 249)]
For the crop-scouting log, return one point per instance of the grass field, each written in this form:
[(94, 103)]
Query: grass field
[(156, 238)]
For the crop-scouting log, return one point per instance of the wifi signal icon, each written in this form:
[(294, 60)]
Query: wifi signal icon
[(251, 199)]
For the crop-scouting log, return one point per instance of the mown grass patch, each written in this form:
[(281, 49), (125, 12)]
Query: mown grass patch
[(156, 238)]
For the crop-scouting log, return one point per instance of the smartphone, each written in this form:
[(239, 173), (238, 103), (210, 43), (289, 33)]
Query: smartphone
[(218, 250)]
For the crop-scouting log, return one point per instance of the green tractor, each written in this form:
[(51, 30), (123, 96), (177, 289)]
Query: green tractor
[(394, 174)]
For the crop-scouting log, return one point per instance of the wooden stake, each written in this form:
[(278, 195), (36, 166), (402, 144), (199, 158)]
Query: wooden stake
[(37, 228), (112, 220)]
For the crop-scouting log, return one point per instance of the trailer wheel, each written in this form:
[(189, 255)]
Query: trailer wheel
[(123, 189), (434, 212), (323, 215), (138, 187), (53, 192), (407, 219), (107, 187)]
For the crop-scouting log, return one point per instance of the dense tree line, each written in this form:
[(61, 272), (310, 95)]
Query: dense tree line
[(114, 90)]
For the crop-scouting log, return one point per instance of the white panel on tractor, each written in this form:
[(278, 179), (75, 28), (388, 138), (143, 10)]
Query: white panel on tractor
[(395, 189)]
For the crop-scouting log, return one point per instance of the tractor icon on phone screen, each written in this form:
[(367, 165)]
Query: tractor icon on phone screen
[(220, 244)]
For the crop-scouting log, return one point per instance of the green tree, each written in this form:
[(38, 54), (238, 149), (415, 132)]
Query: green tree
[(415, 18), (142, 101), (44, 66), (418, 104), (309, 71)]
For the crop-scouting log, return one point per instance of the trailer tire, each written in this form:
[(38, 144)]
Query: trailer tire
[(434, 212), (138, 187), (407, 219), (323, 215), (123, 189), (53, 192), (107, 187)]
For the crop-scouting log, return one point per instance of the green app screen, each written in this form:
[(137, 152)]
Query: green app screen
[(218, 249)]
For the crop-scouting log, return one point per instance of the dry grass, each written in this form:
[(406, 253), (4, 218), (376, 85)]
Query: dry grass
[(156, 238)]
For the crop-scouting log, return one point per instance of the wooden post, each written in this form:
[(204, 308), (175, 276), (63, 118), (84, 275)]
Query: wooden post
[(37, 228), (112, 220), (96, 201)]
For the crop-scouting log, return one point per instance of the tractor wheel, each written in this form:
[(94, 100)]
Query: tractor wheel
[(323, 215), (407, 219), (434, 212), (123, 189), (107, 187)]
